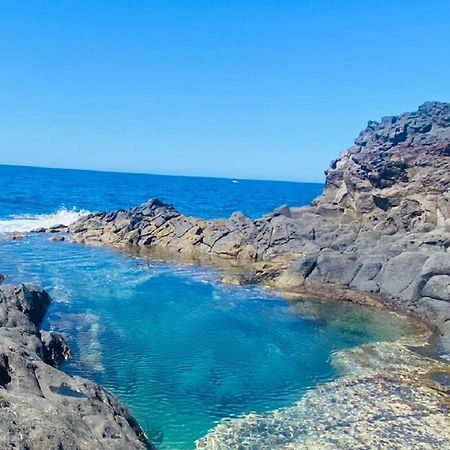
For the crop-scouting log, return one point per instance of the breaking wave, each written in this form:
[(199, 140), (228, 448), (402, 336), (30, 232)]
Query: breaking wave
[(30, 222)]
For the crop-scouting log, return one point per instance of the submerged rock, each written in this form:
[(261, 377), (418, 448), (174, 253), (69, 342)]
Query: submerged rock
[(14, 236), (393, 399), (42, 407)]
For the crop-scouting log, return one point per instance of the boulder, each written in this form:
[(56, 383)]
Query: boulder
[(438, 287), (434, 309), (230, 244), (303, 266), (400, 273), (437, 264), (55, 348), (333, 267), (367, 286), (282, 210), (368, 272), (29, 300)]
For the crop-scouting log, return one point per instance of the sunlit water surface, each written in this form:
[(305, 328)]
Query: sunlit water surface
[(180, 349)]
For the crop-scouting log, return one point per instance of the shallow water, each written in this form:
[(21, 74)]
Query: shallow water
[(180, 349)]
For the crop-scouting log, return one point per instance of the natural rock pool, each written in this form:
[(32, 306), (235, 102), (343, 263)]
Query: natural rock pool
[(182, 350)]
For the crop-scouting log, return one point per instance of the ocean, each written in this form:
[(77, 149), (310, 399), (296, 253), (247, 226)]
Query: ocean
[(31, 197)]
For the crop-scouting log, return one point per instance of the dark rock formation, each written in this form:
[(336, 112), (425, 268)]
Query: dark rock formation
[(396, 178), (382, 225), (42, 407)]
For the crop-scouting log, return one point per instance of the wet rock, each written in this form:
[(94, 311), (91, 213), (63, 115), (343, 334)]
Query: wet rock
[(241, 279), (57, 229), (14, 236), (55, 348), (17, 235)]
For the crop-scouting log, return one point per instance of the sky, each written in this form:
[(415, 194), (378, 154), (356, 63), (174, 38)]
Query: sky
[(259, 89)]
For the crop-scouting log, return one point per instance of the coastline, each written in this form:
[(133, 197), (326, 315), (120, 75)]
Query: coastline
[(380, 228), (378, 236)]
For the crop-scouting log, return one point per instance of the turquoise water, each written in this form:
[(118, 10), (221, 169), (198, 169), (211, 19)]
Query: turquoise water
[(179, 348)]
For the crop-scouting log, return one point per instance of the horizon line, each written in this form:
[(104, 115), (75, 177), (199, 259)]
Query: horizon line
[(159, 174)]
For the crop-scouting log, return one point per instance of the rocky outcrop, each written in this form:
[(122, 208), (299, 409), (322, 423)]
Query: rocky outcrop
[(381, 227), (396, 178), (42, 407)]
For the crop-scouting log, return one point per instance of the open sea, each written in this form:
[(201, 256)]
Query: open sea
[(180, 349)]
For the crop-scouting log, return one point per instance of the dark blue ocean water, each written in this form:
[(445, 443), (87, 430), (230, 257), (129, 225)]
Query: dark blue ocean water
[(182, 350), (30, 190)]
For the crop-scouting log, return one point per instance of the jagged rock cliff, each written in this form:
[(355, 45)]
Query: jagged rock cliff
[(396, 178), (42, 407), (381, 227)]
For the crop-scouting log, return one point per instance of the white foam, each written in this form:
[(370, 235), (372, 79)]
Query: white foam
[(30, 222)]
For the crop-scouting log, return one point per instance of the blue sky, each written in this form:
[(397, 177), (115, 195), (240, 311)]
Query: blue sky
[(242, 89)]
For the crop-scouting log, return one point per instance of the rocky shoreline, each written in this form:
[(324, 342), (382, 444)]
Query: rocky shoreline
[(378, 235), (380, 232), (41, 406)]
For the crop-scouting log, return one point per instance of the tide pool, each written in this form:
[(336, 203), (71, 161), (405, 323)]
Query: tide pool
[(178, 347)]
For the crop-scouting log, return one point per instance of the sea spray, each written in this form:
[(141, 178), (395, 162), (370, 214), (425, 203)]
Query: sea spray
[(30, 222)]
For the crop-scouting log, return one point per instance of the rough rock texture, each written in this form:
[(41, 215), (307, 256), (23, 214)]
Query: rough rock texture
[(382, 225), (42, 407)]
